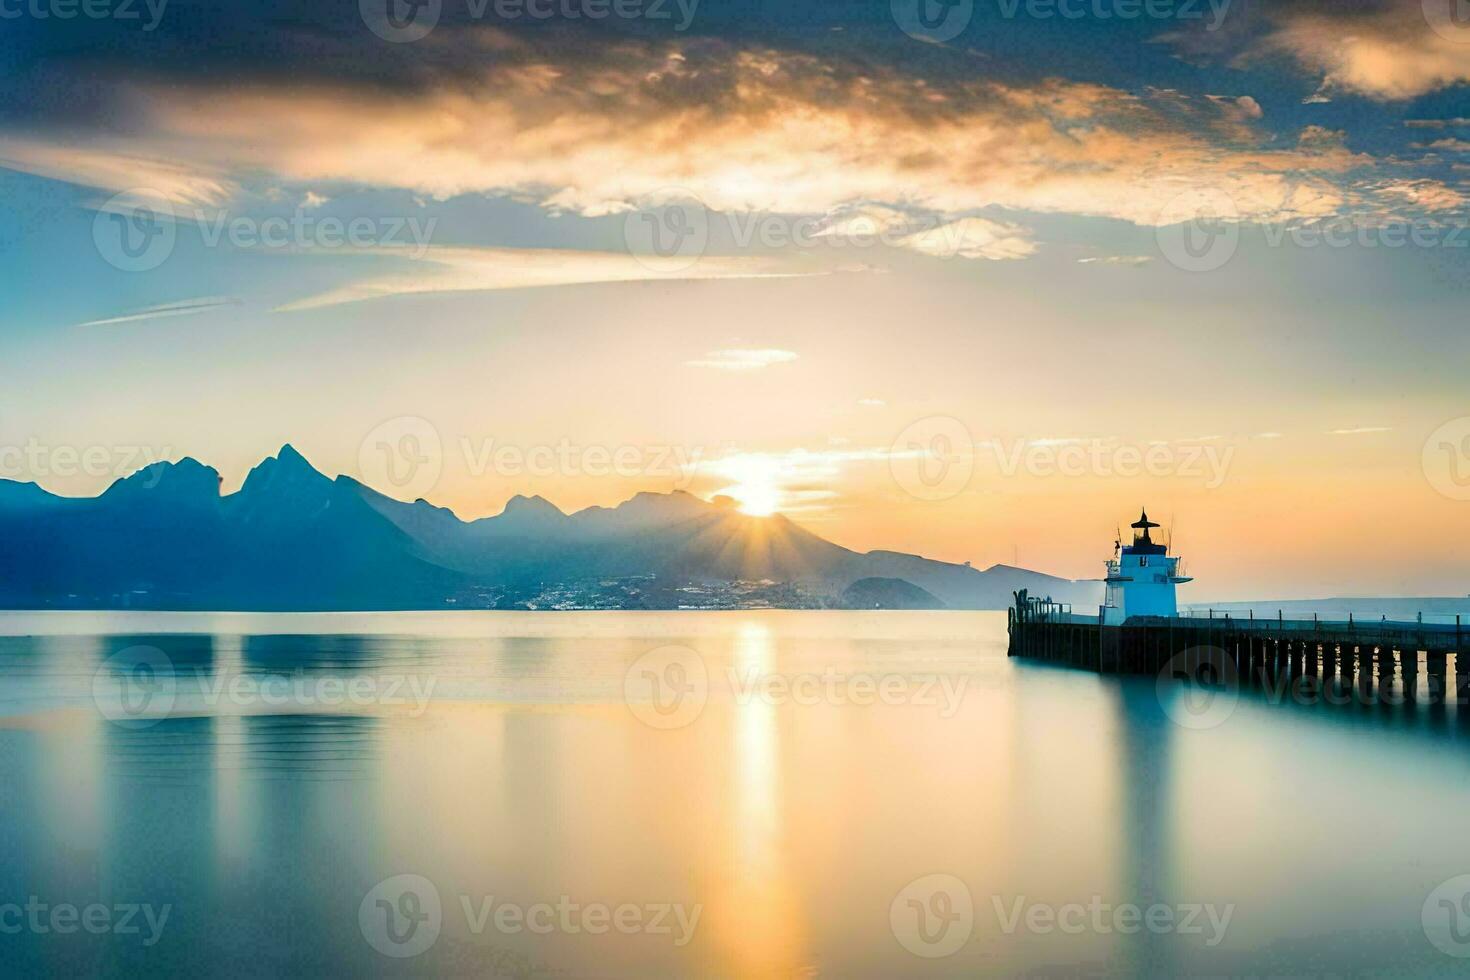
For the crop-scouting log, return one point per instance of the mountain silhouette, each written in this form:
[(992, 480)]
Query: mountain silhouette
[(888, 593), (292, 538)]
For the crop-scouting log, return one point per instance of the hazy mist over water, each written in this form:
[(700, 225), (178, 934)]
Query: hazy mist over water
[(839, 794)]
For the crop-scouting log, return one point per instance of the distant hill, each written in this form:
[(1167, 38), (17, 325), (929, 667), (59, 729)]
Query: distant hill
[(292, 538), (888, 593)]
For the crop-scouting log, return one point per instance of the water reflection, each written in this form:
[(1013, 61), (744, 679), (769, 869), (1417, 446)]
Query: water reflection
[(757, 914), (792, 825), (1147, 835)]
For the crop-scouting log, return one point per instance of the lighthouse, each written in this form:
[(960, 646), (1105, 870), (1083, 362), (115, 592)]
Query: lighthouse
[(1141, 578)]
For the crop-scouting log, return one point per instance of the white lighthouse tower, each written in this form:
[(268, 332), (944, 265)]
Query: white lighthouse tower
[(1141, 578)]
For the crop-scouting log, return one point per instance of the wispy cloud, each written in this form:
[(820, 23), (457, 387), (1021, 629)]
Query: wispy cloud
[(447, 270), (1452, 123), (743, 359), (149, 177), (1133, 260), (1360, 430), (1450, 145), (186, 307)]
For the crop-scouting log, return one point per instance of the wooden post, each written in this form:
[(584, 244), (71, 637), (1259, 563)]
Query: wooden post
[(1435, 667)]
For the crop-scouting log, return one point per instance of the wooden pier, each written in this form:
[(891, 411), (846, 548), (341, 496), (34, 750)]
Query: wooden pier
[(1362, 655)]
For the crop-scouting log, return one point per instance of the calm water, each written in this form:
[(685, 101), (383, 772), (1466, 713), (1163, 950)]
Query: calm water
[(723, 794)]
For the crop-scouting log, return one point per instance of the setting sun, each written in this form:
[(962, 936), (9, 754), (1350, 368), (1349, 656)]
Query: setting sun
[(756, 483), (756, 499)]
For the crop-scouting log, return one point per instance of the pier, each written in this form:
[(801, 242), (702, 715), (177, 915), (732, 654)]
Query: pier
[(1138, 630), (1366, 655)]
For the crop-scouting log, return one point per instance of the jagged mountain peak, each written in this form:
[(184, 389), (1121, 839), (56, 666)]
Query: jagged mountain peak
[(290, 460), (284, 487), (187, 479), (523, 506), (286, 468)]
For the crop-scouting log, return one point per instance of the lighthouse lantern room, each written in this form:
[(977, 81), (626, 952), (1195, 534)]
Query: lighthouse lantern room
[(1141, 578)]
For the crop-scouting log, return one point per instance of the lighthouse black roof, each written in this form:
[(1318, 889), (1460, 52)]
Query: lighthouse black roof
[(1142, 543)]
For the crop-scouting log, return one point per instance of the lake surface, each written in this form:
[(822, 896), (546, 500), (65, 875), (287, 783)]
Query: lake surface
[(741, 794)]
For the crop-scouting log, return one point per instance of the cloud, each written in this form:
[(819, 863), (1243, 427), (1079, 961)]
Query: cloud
[(872, 402), (972, 238), (1361, 430), (186, 307), (864, 222), (1449, 145), (1423, 195), (115, 169), (1133, 260), (969, 237), (1237, 115), (450, 269), (741, 129), (743, 359), (1391, 53)]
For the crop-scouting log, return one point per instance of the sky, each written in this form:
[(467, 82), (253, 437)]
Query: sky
[(975, 280)]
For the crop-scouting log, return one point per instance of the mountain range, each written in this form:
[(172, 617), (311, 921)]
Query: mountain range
[(292, 538)]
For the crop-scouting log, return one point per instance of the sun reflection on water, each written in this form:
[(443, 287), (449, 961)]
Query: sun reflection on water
[(757, 917)]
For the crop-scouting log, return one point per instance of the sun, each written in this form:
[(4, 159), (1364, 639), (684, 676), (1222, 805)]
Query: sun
[(756, 499), (756, 483)]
